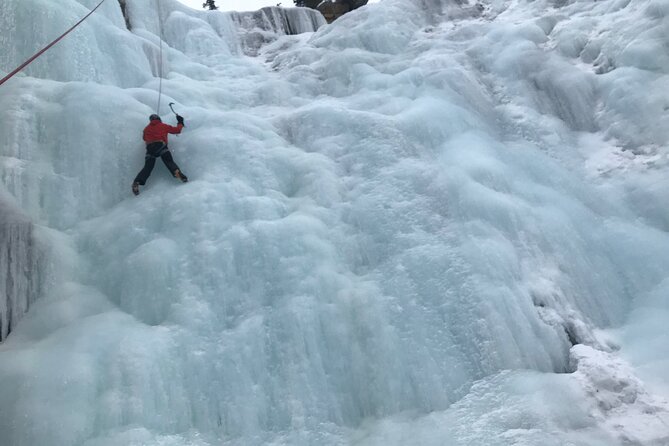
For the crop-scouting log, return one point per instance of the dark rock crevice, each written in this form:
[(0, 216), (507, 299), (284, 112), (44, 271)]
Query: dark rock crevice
[(125, 14), (19, 269)]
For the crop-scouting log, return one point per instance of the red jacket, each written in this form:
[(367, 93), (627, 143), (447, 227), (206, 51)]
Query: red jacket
[(157, 131)]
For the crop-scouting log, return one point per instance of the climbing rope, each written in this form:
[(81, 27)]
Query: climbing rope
[(44, 50), (160, 65)]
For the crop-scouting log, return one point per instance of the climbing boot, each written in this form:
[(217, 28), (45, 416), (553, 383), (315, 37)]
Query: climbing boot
[(178, 174), (135, 188)]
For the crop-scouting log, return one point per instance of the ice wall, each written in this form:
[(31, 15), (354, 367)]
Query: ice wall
[(211, 33), (126, 60), (43, 121), (395, 230), (29, 26)]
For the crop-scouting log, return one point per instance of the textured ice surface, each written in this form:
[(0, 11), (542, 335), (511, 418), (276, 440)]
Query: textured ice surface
[(258, 28), (602, 403), (395, 230)]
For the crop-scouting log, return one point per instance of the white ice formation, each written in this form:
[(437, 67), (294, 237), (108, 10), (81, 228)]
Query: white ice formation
[(432, 222)]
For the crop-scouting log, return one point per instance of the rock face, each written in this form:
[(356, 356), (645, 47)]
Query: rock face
[(354, 4), (257, 28), (19, 281), (332, 11)]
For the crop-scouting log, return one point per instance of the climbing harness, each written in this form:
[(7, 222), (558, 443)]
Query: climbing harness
[(156, 153), (43, 50)]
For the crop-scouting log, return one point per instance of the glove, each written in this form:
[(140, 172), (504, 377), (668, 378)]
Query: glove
[(180, 119)]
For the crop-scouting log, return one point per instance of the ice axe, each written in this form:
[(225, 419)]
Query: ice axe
[(175, 113)]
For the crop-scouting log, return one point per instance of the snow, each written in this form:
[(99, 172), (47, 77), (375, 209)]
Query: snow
[(601, 403), (429, 222)]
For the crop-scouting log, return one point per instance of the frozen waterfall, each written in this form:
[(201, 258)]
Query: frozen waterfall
[(431, 222)]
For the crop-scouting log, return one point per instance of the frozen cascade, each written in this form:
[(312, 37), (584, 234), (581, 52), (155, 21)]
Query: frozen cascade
[(261, 27), (396, 227), (217, 32)]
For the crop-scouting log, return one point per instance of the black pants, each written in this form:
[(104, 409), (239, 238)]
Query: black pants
[(153, 151)]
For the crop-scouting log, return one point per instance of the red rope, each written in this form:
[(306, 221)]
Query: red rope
[(43, 50)]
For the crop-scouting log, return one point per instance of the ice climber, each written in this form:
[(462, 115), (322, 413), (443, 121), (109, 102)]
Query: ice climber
[(155, 137)]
